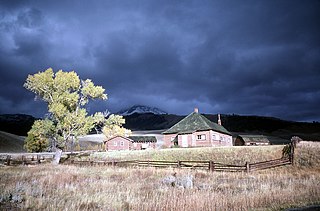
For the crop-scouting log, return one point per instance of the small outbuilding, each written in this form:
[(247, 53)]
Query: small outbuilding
[(130, 143), (251, 140)]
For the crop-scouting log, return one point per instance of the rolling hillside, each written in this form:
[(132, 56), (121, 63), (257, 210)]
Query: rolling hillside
[(11, 143)]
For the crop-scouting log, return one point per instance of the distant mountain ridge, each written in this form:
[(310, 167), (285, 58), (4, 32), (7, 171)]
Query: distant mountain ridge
[(20, 124), (140, 109)]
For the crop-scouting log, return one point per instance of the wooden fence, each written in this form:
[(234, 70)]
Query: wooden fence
[(37, 158), (25, 158), (205, 165), (12, 159), (268, 164), (190, 164)]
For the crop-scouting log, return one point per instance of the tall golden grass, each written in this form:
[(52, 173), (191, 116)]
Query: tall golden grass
[(230, 155), (47, 187)]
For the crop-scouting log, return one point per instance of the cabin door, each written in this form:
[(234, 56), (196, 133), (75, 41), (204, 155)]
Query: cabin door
[(184, 140)]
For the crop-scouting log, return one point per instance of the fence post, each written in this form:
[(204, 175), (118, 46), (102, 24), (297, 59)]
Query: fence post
[(38, 159), (8, 160), (292, 145), (294, 141), (247, 167), (112, 162), (179, 164), (211, 165), (23, 159)]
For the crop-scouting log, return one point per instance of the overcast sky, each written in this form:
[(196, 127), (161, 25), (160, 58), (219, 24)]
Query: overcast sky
[(242, 57)]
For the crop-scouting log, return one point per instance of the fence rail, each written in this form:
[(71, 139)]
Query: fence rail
[(191, 164), (24, 159), (269, 164), (37, 158)]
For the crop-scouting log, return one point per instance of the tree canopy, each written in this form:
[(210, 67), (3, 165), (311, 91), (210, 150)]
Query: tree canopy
[(66, 96), (114, 127), (41, 133)]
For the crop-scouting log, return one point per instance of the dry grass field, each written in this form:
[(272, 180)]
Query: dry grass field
[(230, 155), (62, 187)]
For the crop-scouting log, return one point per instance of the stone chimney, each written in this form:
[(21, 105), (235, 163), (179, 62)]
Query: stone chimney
[(219, 120), (196, 110)]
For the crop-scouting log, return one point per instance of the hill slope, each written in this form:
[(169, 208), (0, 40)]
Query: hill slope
[(11, 143)]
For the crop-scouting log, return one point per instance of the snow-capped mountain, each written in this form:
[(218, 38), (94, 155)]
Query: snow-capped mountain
[(140, 109)]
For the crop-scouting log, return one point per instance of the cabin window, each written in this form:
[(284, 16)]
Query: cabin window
[(201, 137), (228, 139), (121, 143), (221, 138)]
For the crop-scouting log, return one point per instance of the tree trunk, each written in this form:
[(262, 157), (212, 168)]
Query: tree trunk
[(57, 157)]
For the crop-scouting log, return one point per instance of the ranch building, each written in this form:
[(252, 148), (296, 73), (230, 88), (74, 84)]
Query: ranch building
[(196, 130), (130, 143), (251, 140)]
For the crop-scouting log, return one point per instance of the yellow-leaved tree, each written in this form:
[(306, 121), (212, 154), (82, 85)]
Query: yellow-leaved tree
[(66, 96), (114, 127)]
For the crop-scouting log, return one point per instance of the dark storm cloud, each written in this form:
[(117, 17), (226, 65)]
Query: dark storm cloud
[(251, 57)]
